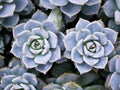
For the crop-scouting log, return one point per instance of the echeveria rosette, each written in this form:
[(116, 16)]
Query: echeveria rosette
[(9, 11), (36, 43), (89, 44), (113, 81), (111, 9), (17, 78), (73, 7)]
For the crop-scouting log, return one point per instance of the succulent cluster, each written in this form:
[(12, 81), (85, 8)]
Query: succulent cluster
[(59, 44)]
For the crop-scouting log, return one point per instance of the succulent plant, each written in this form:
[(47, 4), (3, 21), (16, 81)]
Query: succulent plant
[(10, 9), (37, 42), (111, 9), (113, 81), (1, 61), (17, 78), (73, 7), (89, 44)]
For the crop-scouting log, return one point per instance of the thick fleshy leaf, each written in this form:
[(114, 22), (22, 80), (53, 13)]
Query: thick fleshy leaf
[(11, 21), (23, 37), (32, 87), (20, 5), (15, 87), (91, 37), (24, 86), (46, 4), (112, 63), (70, 40), (39, 16), (71, 9), (42, 59), (6, 80), (81, 24), (79, 2), (80, 47), (56, 54), (100, 53), (93, 2), (114, 81), (67, 54), (76, 57), (19, 80), (59, 3), (117, 16), (108, 48), (16, 51), (118, 64), (26, 51), (83, 33), (109, 8), (83, 68), (50, 26), (102, 37), (7, 10), (32, 24), (87, 52), (17, 29), (90, 10), (117, 2), (29, 62), (102, 63), (40, 32), (31, 78), (44, 68), (109, 32), (53, 40), (90, 61), (8, 87), (95, 27)]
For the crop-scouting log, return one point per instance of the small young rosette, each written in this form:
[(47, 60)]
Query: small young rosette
[(9, 10), (73, 7), (36, 42), (89, 44), (18, 79), (111, 9), (113, 81)]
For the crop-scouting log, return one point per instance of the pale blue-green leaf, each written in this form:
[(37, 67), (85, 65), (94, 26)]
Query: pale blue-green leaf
[(67, 54), (7, 10), (39, 16), (43, 59), (59, 2), (90, 61), (32, 87), (75, 56), (83, 33), (118, 3), (18, 29), (117, 17), (44, 68), (11, 21), (23, 37), (40, 32), (31, 24), (46, 4), (95, 26), (31, 78), (29, 62), (16, 50), (20, 5), (93, 2), (16, 87), (80, 47), (24, 86), (87, 52), (19, 80), (102, 37), (71, 9), (108, 48), (109, 32), (83, 68), (56, 54), (95, 87), (118, 64), (8, 87), (109, 8), (50, 26), (91, 37), (102, 63), (53, 39), (70, 40), (100, 53), (81, 24), (78, 2), (26, 51)]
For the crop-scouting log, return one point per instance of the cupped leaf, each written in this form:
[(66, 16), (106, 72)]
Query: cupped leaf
[(59, 3), (93, 2), (78, 2), (117, 17)]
